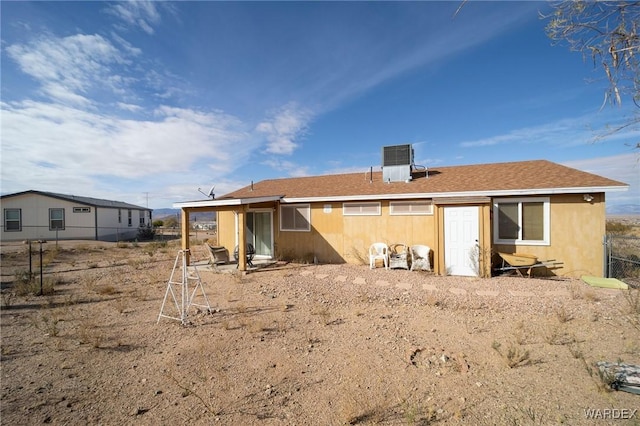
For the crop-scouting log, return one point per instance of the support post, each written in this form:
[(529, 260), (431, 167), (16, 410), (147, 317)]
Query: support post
[(242, 242), (184, 227)]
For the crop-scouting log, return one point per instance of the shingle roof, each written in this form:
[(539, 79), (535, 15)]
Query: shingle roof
[(96, 202), (527, 176)]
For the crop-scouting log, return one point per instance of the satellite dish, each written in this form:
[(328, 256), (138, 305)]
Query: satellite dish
[(210, 194)]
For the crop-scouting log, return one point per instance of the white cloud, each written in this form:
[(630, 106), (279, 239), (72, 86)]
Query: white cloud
[(623, 168), (67, 68), (284, 128), (64, 147), (142, 14), (567, 132), (129, 107), (290, 168), (128, 47), (561, 130)]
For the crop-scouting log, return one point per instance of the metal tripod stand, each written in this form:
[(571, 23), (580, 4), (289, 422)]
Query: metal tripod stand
[(184, 291)]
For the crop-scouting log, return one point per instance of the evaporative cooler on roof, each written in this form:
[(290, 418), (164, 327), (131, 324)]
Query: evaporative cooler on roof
[(397, 161)]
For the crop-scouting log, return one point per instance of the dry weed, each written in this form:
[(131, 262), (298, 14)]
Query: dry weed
[(23, 286), (257, 326), (90, 333), (631, 310), (563, 315), (576, 290), (48, 322), (7, 299), (137, 263), (207, 380), (50, 255), (514, 356), (323, 313), (121, 304), (591, 295), (557, 335), (90, 280), (106, 290), (521, 334), (435, 299), (576, 351)]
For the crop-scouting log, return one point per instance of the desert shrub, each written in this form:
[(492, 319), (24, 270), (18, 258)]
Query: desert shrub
[(563, 315), (146, 233), (631, 310), (618, 228), (50, 255), (48, 324), (7, 299), (157, 223), (153, 247), (24, 285), (106, 290), (514, 356), (170, 222)]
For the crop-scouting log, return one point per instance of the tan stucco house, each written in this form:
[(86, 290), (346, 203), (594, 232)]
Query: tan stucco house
[(465, 214), (40, 215)]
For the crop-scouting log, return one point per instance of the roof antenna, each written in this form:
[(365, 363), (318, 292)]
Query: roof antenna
[(210, 194)]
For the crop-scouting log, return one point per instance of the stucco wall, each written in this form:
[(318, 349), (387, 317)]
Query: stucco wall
[(577, 231), (335, 238), (577, 228)]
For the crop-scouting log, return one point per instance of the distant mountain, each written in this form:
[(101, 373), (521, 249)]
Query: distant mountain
[(624, 209), (159, 214)]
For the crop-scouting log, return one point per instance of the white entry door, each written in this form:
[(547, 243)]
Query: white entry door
[(461, 234)]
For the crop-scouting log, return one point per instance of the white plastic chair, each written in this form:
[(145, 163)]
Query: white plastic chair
[(420, 258), (378, 251)]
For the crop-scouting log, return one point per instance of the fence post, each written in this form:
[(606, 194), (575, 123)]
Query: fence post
[(607, 255), (40, 267), (30, 264)]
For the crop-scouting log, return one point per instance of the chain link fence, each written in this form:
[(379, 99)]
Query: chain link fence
[(100, 233), (623, 258)]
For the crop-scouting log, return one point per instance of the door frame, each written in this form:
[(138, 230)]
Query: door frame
[(247, 233), (477, 267)]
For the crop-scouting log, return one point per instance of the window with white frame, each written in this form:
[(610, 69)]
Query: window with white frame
[(119, 215), (416, 207), (130, 218), (361, 209), (142, 217), (521, 220), (82, 209), (295, 217), (13, 220), (56, 219)]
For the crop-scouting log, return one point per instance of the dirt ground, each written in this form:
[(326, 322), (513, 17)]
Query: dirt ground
[(304, 345)]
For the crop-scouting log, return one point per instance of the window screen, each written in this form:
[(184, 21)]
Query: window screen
[(361, 209), (295, 217)]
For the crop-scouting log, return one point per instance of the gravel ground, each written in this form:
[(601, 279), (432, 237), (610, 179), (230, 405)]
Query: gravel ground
[(307, 345)]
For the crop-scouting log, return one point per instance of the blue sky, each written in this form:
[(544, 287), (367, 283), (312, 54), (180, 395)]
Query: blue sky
[(145, 102)]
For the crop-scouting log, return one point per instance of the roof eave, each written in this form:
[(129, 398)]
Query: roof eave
[(226, 202), (422, 195)]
